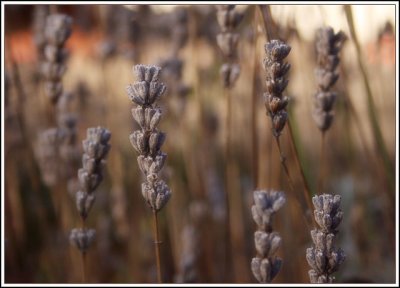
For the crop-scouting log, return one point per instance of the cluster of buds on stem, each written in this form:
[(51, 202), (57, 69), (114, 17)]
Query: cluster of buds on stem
[(227, 40), (57, 31), (324, 258), (276, 81), (265, 266), (148, 140), (95, 148), (328, 45)]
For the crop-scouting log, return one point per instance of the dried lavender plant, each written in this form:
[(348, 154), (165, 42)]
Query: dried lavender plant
[(276, 81), (95, 148), (328, 45), (228, 19), (324, 258), (265, 266), (40, 14), (148, 141), (227, 40), (172, 67), (57, 31), (275, 102)]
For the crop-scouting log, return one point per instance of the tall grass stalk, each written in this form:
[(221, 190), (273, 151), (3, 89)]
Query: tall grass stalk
[(372, 111), (254, 97)]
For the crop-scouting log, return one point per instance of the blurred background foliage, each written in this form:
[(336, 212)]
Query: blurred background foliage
[(107, 40)]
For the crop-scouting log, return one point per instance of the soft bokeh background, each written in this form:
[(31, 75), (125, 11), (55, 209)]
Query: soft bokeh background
[(106, 42)]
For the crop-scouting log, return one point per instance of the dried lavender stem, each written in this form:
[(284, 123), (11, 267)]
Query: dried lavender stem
[(254, 135), (306, 190), (157, 246), (322, 164), (228, 164), (83, 254), (269, 152), (306, 214), (147, 141), (83, 267)]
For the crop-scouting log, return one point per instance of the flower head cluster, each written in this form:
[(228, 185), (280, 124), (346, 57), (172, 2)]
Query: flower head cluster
[(148, 140), (276, 81), (57, 31), (95, 148), (265, 266), (324, 258), (328, 45), (227, 40)]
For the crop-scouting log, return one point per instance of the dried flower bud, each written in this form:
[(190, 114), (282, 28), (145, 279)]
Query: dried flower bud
[(53, 71), (58, 28), (276, 50), (53, 90), (229, 74), (325, 100), (156, 140), (88, 182), (328, 45), (82, 238), (264, 270), (84, 203), (266, 203), (156, 194), (323, 119), (324, 258), (155, 92), (155, 119), (327, 212), (139, 142), (138, 115), (267, 243)]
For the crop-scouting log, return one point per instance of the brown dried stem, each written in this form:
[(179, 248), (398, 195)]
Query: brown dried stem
[(322, 164), (254, 135), (157, 246), (306, 190), (307, 215), (228, 165)]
